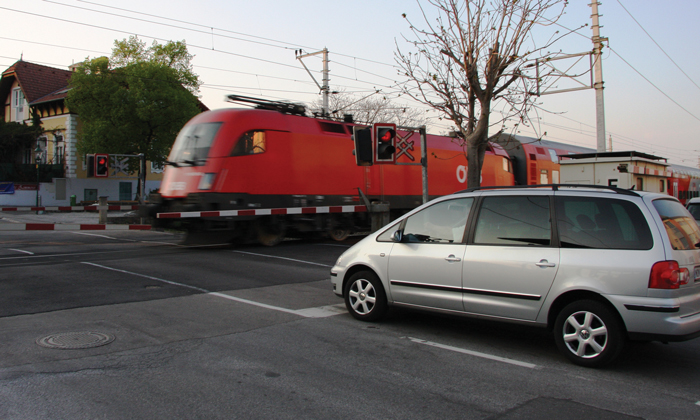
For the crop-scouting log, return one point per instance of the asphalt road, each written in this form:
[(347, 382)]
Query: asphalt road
[(255, 332)]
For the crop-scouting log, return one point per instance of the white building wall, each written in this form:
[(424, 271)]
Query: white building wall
[(74, 186)]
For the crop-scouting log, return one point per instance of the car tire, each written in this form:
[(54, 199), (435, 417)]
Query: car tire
[(364, 296), (589, 333)]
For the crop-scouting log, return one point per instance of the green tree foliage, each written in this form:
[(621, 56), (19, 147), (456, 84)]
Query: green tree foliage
[(135, 102), (15, 137)]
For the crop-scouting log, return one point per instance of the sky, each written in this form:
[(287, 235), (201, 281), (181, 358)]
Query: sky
[(650, 63)]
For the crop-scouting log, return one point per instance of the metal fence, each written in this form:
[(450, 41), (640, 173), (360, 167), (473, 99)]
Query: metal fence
[(16, 172)]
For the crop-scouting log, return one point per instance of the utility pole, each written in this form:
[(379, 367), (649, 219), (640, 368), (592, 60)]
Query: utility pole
[(325, 89), (598, 81)]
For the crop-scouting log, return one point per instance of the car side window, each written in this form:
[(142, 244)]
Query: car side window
[(514, 220), (443, 222), (694, 209), (590, 222), (388, 235)]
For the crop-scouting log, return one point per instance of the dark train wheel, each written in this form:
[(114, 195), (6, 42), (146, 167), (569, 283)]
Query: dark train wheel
[(339, 234), (270, 231)]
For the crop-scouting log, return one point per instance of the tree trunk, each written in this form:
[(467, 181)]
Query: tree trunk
[(477, 143), (475, 160)]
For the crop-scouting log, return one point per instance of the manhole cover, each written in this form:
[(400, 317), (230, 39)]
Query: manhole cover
[(75, 340)]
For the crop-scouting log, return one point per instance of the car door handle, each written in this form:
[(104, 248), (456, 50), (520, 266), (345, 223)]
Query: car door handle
[(452, 258), (545, 263)]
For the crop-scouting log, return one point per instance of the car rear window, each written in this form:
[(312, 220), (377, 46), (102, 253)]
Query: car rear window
[(680, 226), (603, 223)]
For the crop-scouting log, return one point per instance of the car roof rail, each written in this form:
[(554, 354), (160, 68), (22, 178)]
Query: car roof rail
[(554, 187)]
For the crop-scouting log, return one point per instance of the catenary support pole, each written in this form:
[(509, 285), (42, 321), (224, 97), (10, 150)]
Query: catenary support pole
[(598, 81)]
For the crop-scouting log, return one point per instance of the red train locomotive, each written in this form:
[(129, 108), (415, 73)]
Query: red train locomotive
[(275, 157)]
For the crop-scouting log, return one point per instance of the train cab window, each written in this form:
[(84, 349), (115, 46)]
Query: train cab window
[(250, 143), (192, 144)]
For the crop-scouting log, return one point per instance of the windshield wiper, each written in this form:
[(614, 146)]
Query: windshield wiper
[(175, 164)]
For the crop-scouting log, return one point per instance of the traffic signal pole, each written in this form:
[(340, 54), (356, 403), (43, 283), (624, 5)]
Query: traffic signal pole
[(423, 157), (424, 161)]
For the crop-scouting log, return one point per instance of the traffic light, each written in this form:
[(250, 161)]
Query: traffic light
[(362, 136), (90, 165), (385, 143), (101, 165)]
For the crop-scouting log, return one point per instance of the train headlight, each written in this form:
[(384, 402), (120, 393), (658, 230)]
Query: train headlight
[(207, 181)]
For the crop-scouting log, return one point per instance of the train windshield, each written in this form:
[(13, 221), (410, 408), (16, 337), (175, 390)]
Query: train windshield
[(192, 144)]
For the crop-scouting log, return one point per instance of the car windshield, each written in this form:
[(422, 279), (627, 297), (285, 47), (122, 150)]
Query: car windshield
[(192, 144), (682, 229)]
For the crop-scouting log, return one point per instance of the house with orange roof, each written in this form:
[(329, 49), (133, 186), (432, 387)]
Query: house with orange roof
[(28, 88)]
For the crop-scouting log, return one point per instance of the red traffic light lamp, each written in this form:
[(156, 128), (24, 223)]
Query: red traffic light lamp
[(101, 165), (384, 143)]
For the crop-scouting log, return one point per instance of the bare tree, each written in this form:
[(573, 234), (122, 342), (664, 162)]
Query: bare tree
[(471, 56), (371, 109)]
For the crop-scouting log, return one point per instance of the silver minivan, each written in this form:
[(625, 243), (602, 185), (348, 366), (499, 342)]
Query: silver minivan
[(597, 265)]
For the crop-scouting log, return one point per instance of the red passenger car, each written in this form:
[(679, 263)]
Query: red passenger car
[(684, 182)]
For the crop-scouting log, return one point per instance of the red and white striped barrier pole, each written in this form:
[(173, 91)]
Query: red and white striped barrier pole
[(263, 212)]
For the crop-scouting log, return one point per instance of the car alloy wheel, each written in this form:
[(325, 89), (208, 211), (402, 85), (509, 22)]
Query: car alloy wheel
[(585, 334), (589, 333), (364, 296)]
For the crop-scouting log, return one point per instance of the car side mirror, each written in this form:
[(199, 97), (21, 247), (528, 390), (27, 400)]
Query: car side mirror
[(397, 236)]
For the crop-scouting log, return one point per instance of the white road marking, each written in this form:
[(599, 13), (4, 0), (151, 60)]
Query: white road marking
[(66, 255), (19, 250), (321, 312), (161, 243), (174, 283), (474, 353), (102, 236), (283, 258)]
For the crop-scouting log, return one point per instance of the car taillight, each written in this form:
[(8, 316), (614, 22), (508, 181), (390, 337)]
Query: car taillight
[(668, 275)]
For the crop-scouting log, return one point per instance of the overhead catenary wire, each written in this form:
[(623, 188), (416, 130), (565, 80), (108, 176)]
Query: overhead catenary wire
[(657, 44), (189, 45), (265, 41)]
